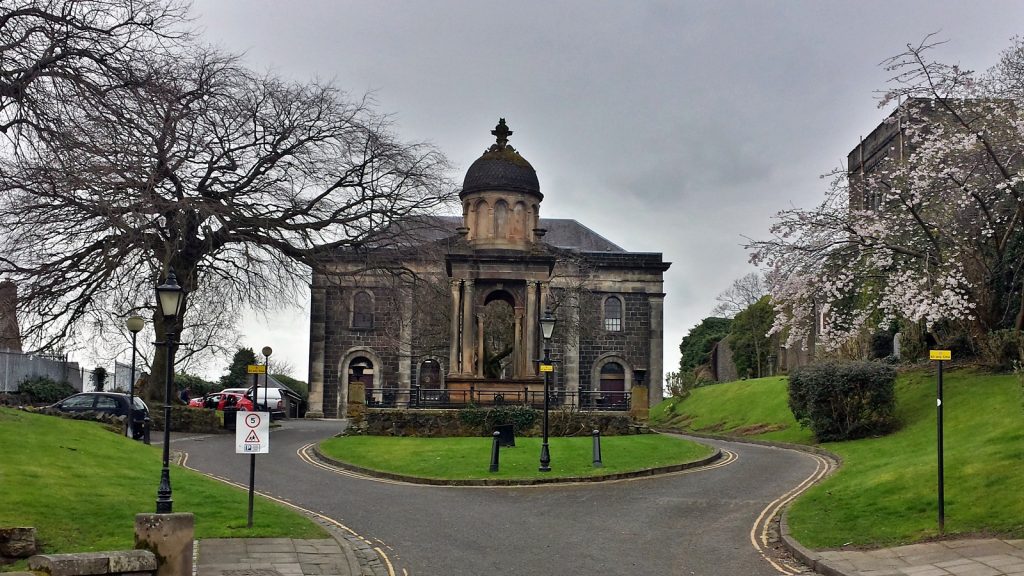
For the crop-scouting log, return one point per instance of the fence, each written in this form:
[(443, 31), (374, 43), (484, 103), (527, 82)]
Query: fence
[(425, 398), (15, 367)]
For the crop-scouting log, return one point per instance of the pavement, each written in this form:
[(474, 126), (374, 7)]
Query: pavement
[(342, 554), (968, 557)]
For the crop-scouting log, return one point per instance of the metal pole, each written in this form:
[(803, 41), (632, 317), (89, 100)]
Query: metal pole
[(597, 449), (495, 447), (252, 484), (545, 455), (164, 503), (942, 498), (131, 393)]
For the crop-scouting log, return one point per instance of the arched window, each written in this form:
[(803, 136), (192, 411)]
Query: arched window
[(362, 310), (613, 314)]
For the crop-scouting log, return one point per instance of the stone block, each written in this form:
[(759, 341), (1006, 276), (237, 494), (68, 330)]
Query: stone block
[(82, 564), (125, 561), (17, 542), (170, 538)]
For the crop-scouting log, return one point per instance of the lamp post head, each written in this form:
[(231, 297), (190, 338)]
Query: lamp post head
[(170, 295), (267, 351), (135, 324), (547, 324)]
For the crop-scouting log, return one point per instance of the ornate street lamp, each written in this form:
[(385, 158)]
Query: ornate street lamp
[(169, 296), (267, 351), (135, 324), (547, 326)]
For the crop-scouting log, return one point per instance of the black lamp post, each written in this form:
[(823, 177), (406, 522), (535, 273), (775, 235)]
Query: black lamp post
[(547, 326), (267, 351), (170, 296), (135, 324)]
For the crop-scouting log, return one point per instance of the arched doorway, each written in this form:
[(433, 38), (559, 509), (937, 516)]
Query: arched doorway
[(613, 386), (499, 334)]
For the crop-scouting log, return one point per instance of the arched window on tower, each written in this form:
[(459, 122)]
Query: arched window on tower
[(362, 310), (613, 314)]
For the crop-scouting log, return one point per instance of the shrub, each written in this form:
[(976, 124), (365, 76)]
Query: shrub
[(1001, 350), (485, 419), (843, 400), (881, 345), (43, 390)]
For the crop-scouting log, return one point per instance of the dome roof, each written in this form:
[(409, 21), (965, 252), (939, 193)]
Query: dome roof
[(501, 168)]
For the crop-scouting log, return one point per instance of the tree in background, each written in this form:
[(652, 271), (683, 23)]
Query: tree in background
[(177, 157), (237, 371), (935, 237), (749, 339), (199, 386), (743, 292), (695, 349), (99, 378)]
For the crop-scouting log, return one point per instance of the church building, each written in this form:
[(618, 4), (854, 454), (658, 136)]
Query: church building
[(450, 307)]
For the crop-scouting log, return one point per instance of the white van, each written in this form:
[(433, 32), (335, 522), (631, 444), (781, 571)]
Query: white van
[(268, 399)]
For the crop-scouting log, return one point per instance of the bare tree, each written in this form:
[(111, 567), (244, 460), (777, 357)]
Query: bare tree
[(74, 49), (240, 183), (743, 292)]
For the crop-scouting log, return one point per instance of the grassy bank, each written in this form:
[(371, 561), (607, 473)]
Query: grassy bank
[(469, 458), (885, 493), (80, 486)]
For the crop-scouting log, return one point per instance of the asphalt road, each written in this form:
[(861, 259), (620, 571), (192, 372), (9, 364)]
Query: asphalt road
[(704, 522)]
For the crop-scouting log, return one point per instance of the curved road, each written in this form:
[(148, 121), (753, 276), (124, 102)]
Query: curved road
[(703, 522)]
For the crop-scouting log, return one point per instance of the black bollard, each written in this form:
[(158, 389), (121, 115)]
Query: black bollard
[(494, 451), (597, 449)]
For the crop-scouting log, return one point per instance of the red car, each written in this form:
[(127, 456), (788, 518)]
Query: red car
[(220, 400)]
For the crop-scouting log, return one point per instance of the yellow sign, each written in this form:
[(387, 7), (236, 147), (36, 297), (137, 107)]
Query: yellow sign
[(940, 355), (256, 369), (547, 367)]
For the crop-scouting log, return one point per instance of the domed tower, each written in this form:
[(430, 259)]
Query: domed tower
[(501, 197)]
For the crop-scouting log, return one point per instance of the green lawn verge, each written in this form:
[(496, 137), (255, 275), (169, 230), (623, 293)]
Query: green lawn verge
[(81, 485), (469, 458), (755, 408), (886, 491)]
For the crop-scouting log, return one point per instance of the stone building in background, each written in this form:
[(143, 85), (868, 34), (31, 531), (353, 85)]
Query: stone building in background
[(10, 334), (451, 304)]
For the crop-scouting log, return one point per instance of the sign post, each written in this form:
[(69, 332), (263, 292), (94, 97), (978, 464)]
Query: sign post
[(940, 356), (253, 437)]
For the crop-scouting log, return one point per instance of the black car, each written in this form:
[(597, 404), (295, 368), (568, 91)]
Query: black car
[(109, 402)]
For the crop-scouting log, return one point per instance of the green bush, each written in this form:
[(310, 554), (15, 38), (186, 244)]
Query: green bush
[(43, 390), (844, 400), (1001, 350), (521, 418)]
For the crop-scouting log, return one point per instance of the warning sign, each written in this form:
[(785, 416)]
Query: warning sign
[(252, 434)]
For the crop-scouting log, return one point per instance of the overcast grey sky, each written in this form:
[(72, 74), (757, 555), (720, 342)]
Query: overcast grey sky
[(673, 127)]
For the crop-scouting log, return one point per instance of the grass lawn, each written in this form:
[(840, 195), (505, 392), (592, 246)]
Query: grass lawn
[(469, 458), (756, 408), (81, 485), (886, 491)]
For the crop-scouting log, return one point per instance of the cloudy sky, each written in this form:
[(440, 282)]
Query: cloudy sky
[(674, 127)]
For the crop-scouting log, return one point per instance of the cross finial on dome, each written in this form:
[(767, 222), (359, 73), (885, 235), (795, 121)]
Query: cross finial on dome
[(501, 133)]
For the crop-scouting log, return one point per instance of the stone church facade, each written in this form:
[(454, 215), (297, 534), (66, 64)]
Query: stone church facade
[(450, 304)]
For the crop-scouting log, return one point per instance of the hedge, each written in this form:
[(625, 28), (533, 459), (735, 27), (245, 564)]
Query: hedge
[(844, 400)]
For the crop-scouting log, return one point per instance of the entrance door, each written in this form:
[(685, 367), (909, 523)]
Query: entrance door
[(613, 386)]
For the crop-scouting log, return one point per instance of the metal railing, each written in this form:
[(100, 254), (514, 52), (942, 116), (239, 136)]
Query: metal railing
[(434, 398)]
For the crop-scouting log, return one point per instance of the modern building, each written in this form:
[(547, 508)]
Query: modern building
[(443, 306)]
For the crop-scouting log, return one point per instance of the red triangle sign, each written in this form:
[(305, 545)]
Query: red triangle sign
[(252, 437)]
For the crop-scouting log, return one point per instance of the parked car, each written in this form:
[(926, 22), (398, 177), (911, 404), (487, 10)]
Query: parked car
[(113, 403), (236, 400), (268, 400)]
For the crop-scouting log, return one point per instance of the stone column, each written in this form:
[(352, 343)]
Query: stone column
[(480, 344), (531, 328), (453, 346), (317, 344), (571, 351), (655, 364), (468, 345), (405, 348), (518, 358)]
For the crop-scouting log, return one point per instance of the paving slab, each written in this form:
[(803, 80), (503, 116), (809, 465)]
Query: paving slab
[(968, 557)]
